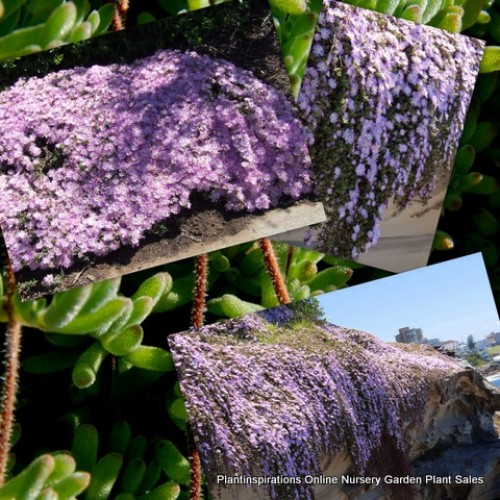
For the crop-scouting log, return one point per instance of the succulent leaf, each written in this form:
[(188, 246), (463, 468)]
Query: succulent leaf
[(30, 482), (230, 306), (84, 447), (174, 464), (104, 476), (151, 358)]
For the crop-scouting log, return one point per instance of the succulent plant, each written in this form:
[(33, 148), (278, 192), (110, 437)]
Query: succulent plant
[(237, 283), (30, 26)]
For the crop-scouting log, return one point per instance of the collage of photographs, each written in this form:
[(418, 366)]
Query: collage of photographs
[(250, 249)]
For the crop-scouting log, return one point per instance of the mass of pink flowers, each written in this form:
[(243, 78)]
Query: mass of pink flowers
[(91, 158), (265, 399), (384, 101)]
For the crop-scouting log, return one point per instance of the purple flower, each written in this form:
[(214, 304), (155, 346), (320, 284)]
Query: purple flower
[(91, 158), (384, 99), (275, 402)]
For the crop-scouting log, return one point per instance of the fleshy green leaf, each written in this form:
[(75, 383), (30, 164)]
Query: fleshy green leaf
[(64, 307), (72, 485), (59, 24), (167, 491), (155, 287), (29, 483), (336, 276), (94, 20), (230, 306), (142, 307), (151, 358), (491, 60), (88, 364), (104, 476), (64, 465), (101, 292), (173, 463), (106, 13), (82, 9), (85, 446), (125, 341), (431, 9), (91, 322), (133, 475), (119, 437), (472, 9), (413, 13), (21, 42), (50, 362)]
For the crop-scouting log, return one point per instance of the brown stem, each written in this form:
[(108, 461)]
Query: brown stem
[(274, 271), (289, 257), (197, 318), (198, 309), (120, 16), (195, 488), (11, 373)]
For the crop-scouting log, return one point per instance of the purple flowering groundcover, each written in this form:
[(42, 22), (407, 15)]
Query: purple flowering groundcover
[(94, 159), (384, 102), (266, 397)]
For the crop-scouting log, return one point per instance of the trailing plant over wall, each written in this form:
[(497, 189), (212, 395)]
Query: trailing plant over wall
[(384, 103), (280, 398)]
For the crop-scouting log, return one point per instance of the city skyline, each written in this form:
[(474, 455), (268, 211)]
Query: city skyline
[(448, 301)]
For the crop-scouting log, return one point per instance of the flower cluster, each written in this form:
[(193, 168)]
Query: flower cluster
[(91, 158), (384, 101), (264, 400)]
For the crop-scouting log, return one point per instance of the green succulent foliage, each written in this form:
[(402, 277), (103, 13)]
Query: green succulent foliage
[(28, 26), (100, 313), (473, 199), (132, 467), (86, 325), (50, 476), (176, 407), (129, 468), (479, 146), (250, 289), (477, 138), (295, 23)]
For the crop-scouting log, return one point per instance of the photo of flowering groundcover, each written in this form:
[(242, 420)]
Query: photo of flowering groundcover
[(177, 145), (320, 411), (384, 102)]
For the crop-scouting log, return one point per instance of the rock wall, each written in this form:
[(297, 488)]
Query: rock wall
[(303, 406)]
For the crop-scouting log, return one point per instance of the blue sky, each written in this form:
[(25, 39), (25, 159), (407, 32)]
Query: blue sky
[(449, 300)]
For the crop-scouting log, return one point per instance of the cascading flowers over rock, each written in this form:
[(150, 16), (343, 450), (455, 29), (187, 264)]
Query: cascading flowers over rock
[(384, 101), (91, 158), (269, 400)]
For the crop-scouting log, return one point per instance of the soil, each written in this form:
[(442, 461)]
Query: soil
[(205, 227)]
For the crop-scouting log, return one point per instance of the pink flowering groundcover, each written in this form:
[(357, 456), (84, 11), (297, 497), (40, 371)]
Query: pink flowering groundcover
[(96, 158), (268, 397), (383, 101)]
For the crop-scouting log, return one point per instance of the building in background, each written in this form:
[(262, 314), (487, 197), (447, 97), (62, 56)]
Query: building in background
[(450, 345), (493, 339), (409, 335)]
